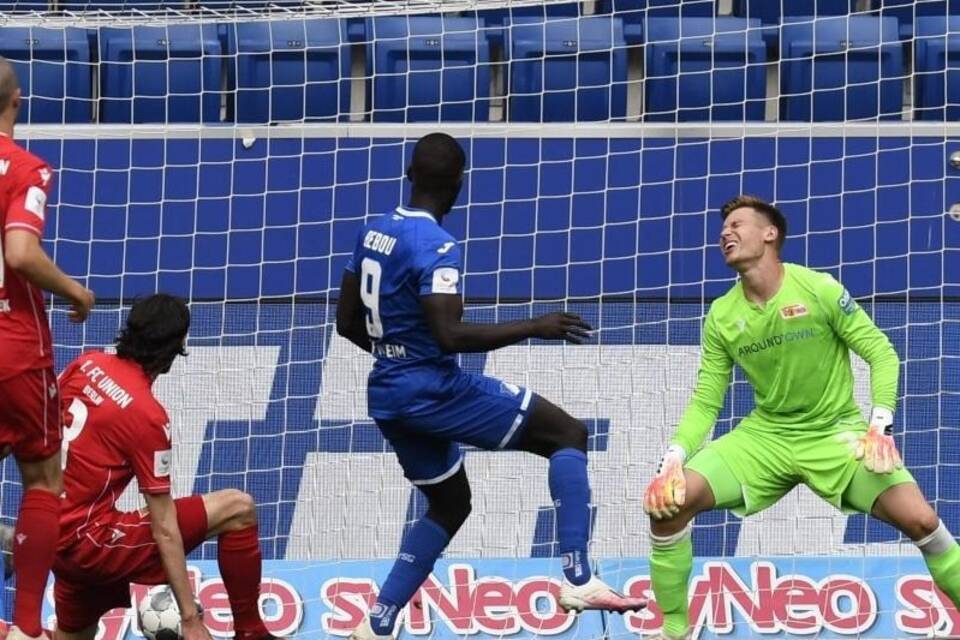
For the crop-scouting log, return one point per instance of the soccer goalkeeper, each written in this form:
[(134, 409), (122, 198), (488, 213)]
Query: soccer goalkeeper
[(790, 329)]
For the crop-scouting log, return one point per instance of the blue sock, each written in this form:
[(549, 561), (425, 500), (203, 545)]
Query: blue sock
[(420, 549), (570, 490)]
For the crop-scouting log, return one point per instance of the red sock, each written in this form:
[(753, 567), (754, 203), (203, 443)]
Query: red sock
[(34, 547), (238, 554)]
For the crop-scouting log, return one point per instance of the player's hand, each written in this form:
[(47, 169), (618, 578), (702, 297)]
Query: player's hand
[(81, 304), (192, 628), (667, 492), (876, 447), (561, 326)]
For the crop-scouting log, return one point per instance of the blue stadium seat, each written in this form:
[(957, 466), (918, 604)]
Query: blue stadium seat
[(428, 69), (775, 11), (291, 70), (495, 22), (585, 75), (936, 66), (841, 68), (718, 63), (53, 66), (906, 11), (160, 74), (635, 12)]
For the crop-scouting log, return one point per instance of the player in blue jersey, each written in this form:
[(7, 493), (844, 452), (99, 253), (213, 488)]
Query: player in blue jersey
[(400, 300)]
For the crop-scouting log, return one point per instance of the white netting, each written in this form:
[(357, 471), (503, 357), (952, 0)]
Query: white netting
[(231, 154)]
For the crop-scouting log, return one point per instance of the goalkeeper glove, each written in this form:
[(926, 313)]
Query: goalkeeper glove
[(876, 447), (667, 492)]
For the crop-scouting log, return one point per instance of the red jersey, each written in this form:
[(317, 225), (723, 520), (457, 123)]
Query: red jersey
[(114, 430), (24, 331)]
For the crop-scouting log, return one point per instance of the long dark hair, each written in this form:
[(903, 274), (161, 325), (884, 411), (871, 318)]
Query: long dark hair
[(155, 332)]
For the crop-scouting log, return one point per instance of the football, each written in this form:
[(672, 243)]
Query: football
[(159, 614)]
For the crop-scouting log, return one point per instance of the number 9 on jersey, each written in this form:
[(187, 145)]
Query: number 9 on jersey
[(370, 271)]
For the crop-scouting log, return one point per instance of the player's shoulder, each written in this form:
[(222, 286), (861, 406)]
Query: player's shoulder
[(82, 362), (813, 281), (22, 161), (728, 302), (424, 234)]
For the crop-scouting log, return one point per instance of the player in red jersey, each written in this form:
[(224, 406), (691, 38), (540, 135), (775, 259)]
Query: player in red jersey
[(116, 430), (29, 411)]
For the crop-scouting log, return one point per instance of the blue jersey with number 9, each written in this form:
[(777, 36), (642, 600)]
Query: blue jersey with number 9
[(400, 257)]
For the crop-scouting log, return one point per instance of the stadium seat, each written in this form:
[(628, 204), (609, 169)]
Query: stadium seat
[(704, 69), (291, 70), (635, 12), (427, 69), (906, 11), (936, 66), (585, 74), (841, 68), (775, 11), (495, 22), (160, 74), (53, 66)]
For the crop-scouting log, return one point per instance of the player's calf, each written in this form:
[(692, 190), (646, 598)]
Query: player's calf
[(905, 507), (37, 531), (232, 518)]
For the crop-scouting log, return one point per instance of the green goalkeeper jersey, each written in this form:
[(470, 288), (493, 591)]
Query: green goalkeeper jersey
[(794, 351)]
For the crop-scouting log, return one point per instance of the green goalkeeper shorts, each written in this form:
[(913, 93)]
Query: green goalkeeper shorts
[(753, 466)]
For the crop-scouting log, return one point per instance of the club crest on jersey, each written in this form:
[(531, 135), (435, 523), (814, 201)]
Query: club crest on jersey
[(847, 304), (161, 463), (793, 311), (36, 202)]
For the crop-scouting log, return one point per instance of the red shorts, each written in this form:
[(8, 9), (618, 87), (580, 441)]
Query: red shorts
[(30, 415), (93, 576)]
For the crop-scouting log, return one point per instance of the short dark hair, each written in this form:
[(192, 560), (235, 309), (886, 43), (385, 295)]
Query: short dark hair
[(154, 333), (764, 208), (438, 161)]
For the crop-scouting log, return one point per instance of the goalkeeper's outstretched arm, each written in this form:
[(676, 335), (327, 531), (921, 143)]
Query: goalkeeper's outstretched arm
[(707, 400), (876, 447), (666, 493)]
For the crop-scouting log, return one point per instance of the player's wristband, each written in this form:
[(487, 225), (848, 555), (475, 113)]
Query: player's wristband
[(883, 418), (673, 451)]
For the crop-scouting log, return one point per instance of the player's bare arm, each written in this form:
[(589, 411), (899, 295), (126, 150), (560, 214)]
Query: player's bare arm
[(166, 533), (444, 314), (25, 254), (350, 323)]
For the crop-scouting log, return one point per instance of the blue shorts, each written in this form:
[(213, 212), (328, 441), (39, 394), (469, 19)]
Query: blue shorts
[(483, 412)]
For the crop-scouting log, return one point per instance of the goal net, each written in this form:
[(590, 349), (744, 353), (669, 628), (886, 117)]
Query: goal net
[(231, 154)]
